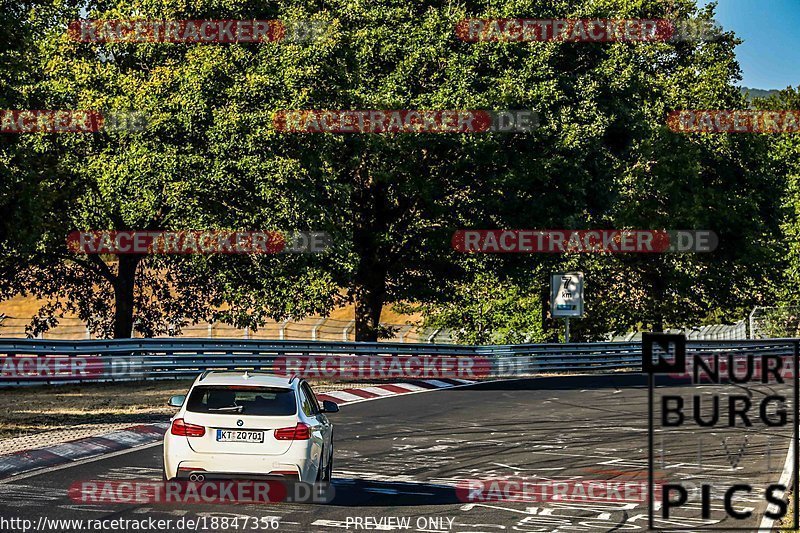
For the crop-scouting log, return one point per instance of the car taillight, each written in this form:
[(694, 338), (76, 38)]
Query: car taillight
[(283, 473), (189, 470), (181, 428), (299, 432)]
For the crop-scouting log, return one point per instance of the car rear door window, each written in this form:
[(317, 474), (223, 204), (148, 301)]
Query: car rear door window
[(305, 402), (312, 397), (263, 401)]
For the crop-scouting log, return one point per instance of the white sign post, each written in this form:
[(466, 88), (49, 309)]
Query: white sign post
[(566, 297)]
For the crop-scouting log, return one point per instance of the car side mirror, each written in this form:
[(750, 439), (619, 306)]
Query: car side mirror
[(177, 401), (329, 407)]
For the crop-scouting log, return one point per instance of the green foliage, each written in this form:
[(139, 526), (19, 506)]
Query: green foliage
[(784, 163), (488, 311)]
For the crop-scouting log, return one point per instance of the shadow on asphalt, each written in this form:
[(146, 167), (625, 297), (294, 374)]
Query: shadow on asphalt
[(368, 493), (578, 382)]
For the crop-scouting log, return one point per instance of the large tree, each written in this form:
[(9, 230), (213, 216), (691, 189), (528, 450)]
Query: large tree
[(164, 176), (608, 149)]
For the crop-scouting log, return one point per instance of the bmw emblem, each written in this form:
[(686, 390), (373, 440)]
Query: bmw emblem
[(240, 423)]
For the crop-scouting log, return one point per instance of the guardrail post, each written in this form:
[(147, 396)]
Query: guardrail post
[(282, 331), (752, 322), (316, 327), (347, 329), (433, 336)]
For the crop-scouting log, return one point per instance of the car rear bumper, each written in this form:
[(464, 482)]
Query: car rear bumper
[(180, 461), (189, 473)]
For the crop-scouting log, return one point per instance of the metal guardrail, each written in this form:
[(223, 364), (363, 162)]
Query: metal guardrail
[(32, 361), (715, 332)]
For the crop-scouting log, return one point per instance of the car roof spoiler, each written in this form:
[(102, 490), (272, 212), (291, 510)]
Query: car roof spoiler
[(247, 374)]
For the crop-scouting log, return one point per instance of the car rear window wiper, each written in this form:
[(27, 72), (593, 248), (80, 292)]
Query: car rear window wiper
[(234, 408)]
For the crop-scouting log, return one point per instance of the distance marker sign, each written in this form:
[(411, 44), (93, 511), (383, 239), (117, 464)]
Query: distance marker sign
[(566, 294)]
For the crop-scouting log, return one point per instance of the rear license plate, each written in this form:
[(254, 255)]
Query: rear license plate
[(237, 435)]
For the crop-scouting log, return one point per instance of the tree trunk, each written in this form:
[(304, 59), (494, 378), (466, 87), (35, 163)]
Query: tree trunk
[(370, 296), (659, 300), (372, 214), (124, 285), (658, 325), (544, 303)]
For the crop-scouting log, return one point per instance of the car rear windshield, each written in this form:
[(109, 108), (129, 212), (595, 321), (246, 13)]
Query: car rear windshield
[(235, 400)]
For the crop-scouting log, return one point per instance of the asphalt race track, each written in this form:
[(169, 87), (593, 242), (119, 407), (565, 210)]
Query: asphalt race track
[(403, 456)]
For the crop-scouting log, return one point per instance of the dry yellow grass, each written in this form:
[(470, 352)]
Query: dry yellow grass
[(46, 407), (24, 308), (33, 409), (20, 306)]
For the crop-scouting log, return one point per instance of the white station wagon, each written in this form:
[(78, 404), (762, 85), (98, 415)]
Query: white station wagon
[(251, 425)]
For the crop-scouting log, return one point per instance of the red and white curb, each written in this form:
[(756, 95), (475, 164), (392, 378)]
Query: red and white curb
[(75, 450), (132, 437), (362, 394)]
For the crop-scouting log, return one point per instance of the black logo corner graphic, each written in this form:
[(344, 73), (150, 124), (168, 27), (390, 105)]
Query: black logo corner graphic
[(669, 350)]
